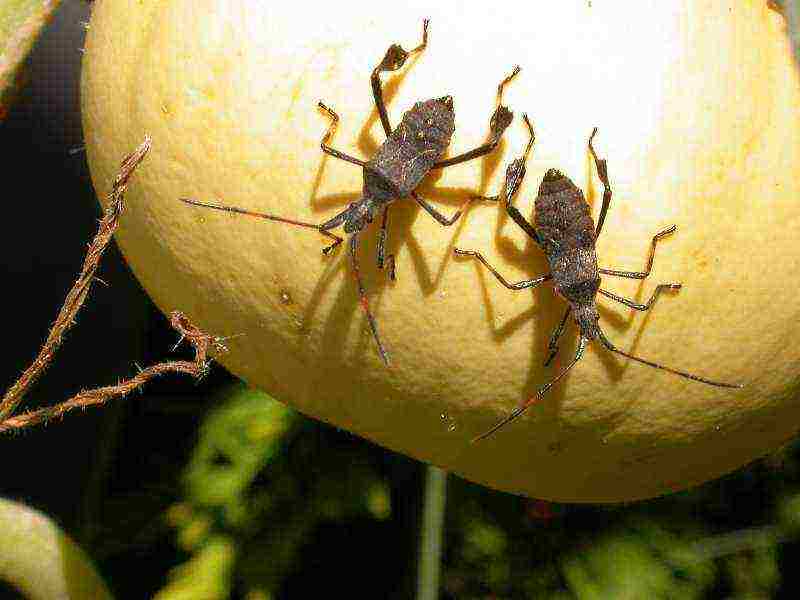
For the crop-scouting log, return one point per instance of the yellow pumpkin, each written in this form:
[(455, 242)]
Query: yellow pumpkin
[(696, 108)]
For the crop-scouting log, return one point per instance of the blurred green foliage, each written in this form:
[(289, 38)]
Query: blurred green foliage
[(262, 480), (254, 490)]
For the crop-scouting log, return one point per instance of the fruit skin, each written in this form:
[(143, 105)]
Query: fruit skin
[(696, 108), (21, 23)]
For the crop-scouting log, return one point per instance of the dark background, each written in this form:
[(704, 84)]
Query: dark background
[(81, 470), (109, 475), (69, 468)]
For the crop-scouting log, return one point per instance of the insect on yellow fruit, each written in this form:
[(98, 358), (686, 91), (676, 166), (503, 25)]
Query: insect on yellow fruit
[(565, 231), (696, 102), (411, 150)]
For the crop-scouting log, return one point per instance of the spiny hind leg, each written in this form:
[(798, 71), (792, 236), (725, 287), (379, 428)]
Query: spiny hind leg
[(499, 122), (395, 58), (602, 173), (514, 175)]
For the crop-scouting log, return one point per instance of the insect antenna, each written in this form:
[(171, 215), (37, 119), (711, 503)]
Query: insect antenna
[(323, 229), (684, 374), (362, 295), (533, 399)]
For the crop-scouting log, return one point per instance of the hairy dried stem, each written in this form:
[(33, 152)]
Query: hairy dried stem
[(77, 295), (66, 319), (198, 367)]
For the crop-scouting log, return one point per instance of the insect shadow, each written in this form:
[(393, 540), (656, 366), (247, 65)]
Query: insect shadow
[(412, 149), (565, 231)]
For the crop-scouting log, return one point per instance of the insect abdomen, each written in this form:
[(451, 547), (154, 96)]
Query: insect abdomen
[(414, 146), (568, 237)]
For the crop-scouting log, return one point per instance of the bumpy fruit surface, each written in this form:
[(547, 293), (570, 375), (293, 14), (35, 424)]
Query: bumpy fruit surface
[(696, 105)]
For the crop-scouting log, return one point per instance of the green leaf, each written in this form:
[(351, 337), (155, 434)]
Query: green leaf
[(41, 561), (206, 576), (263, 479), (640, 560)]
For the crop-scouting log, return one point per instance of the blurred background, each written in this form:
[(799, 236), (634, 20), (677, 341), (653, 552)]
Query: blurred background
[(212, 490)]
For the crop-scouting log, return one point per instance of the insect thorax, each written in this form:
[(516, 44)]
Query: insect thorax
[(378, 186)]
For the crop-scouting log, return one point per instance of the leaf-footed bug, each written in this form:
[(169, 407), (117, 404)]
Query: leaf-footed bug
[(564, 229), (412, 149)]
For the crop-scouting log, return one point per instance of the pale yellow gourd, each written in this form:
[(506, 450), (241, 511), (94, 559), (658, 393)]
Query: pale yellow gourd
[(696, 105)]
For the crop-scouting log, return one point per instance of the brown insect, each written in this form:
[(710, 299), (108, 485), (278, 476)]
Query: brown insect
[(411, 150), (565, 231)]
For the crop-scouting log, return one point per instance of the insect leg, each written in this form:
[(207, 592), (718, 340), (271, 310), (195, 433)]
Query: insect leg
[(637, 306), (395, 57), (521, 285), (364, 301), (501, 119), (649, 363), (650, 258), (331, 128), (602, 173), (382, 247), (515, 173), (533, 399), (446, 221), (552, 345), (323, 229)]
